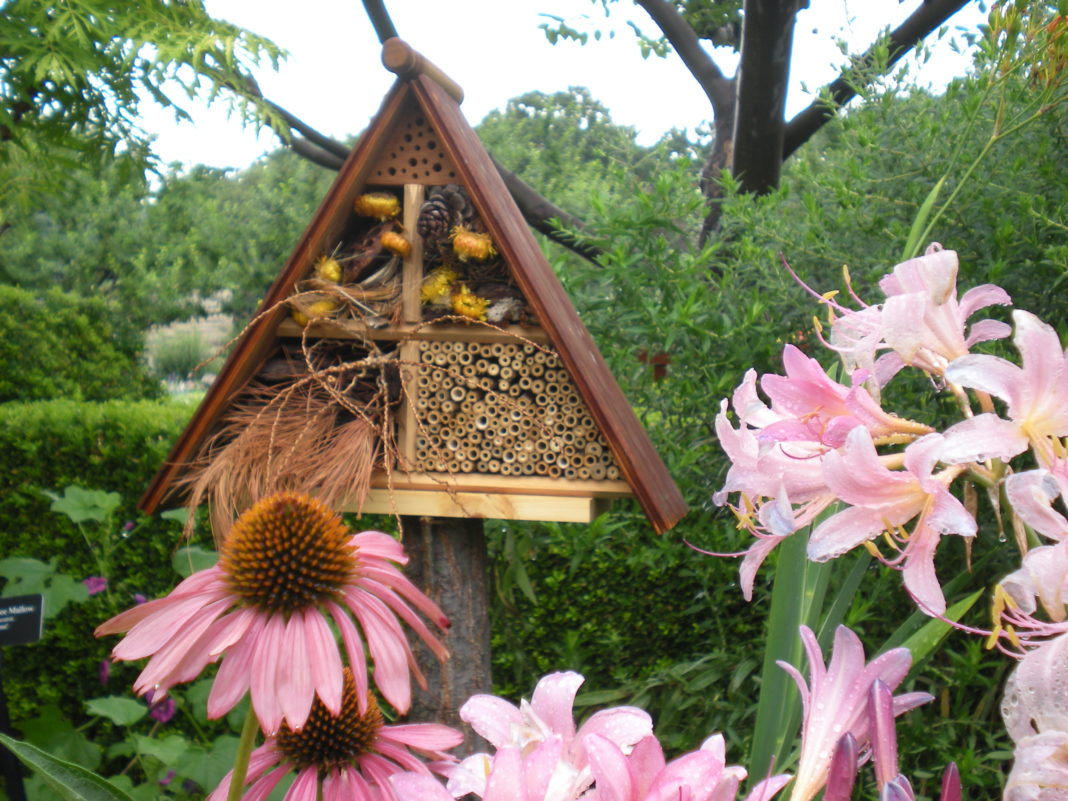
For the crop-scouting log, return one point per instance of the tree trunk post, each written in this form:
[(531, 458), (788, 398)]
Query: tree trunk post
[(763, 76), (448, 562)]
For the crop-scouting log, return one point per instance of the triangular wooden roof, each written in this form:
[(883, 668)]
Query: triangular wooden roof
[(638, 461)]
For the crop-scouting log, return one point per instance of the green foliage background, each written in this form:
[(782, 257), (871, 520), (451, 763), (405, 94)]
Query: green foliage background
[(646, 619)]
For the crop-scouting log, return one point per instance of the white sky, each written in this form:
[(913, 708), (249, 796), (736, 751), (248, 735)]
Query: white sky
[(333, 78)]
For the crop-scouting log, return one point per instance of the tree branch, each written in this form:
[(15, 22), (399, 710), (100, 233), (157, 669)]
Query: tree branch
[(545, 217), (678, 32), (315, 154), (925, 19)]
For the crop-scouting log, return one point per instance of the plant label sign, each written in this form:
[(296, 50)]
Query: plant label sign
[(20, 619)]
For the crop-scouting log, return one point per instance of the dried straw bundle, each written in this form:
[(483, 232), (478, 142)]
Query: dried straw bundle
[(293, 438)]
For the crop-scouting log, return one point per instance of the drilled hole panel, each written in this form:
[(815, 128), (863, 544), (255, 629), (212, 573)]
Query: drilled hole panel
[(505, 409), (413, 154)]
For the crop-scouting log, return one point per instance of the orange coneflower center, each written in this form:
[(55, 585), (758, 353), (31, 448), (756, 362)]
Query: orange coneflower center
[(288, 552), (329, 742)]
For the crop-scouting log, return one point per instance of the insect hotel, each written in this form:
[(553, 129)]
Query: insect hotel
[(416, 355)]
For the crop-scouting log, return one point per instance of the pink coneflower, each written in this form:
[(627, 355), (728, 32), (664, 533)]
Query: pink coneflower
[(288, 566), (350, 755)]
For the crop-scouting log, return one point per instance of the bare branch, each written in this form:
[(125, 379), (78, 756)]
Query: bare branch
[(545, 217), (925, 19), (315, 154), (678, 32)]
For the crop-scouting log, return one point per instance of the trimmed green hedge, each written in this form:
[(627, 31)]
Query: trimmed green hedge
[(114, 446), (57, 345)]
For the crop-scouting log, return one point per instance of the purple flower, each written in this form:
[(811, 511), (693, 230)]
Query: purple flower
[(163, 711), (138, 598), (128, 525), (95, 584), (105, 671), (167, 779)]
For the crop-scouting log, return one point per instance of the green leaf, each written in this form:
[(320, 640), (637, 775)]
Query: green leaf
[(80, 504), (179, 515), (167, 750), (207, 767), (118, 709), (919, 225), (29, 576), (797, 597), (192, 559), (71, 781), (924, 642), (57, 736)]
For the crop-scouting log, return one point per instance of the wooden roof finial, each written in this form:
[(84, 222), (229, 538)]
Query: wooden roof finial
[(401, 59)]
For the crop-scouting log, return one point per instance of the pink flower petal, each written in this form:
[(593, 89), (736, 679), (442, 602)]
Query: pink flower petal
[(263, 681), (985, 436), (979, 297), (232, 681), (324, 660), (611, 771), (493, 718), (553, 699), (305, 786), (844, 531), (416, 787), (623, 725), (354, 647), (1030, 495), (294, 681)]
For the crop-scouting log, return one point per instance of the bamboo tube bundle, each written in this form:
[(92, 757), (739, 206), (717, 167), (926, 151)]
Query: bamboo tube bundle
[(504, 408)]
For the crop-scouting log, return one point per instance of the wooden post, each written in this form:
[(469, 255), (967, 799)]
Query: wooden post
[(448, 562)]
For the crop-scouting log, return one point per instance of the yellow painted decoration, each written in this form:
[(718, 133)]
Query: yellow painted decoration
[(467, 303), (328, 269), (471, 244), (320, 308), (437, 287), (396, 243), (380, 205)]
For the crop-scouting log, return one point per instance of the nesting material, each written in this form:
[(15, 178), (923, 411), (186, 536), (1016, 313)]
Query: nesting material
[(316, 421), (505, 409)]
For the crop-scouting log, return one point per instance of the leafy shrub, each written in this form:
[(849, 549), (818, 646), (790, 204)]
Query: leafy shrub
[(114, 446), (177, 355), (55, 345)]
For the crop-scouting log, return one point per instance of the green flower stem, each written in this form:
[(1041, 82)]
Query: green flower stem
[(244, 749)]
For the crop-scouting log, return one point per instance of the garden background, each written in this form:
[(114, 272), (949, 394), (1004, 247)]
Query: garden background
[(98, 261)]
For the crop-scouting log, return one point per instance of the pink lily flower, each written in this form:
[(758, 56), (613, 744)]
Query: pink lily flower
[(1030, 494), (1036, 395), (770, 476), (885, 500), (288, 565), (510, 775), (835, 701), (922, 321), (548, 715), (818, 409), (1042, 576), (644, 775), (1039, 770), (1035, 711), (1036, 696)]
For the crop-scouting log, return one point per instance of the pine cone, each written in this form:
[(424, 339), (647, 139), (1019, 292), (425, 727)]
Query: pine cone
[(445, 208)]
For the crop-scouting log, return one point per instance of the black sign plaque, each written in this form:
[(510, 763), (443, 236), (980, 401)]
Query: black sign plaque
[(20, 619)]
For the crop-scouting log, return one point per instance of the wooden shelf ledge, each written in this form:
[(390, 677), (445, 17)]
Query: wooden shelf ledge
[(335, 329), (505, 485), (498, 506)]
